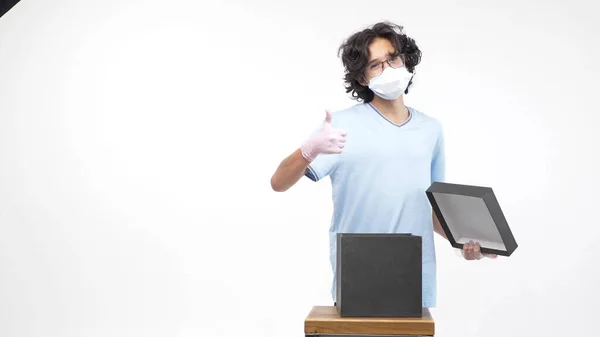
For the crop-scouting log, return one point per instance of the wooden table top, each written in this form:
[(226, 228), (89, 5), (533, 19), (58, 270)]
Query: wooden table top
[(326, 320)]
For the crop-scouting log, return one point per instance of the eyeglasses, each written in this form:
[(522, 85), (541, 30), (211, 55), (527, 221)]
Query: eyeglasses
[(376, 69)]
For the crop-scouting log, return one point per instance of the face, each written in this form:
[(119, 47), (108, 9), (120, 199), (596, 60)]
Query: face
[(381, 50)]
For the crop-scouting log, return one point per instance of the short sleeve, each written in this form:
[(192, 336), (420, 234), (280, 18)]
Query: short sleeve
[(438, 162), (323, 165)]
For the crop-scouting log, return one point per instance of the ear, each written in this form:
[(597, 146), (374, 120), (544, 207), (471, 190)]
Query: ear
[(363, 81)]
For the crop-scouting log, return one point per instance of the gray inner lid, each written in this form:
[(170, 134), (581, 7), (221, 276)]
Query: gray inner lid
[(468, 218)]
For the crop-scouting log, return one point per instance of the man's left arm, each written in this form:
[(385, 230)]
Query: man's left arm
[(438, 173), (471, 250)]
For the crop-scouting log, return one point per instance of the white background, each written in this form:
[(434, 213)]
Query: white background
[(137, 142)]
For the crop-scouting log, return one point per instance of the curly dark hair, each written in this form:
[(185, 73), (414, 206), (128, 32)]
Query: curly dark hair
[(354, 53)]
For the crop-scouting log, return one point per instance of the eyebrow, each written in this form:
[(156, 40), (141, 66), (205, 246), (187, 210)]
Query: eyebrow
[(377, 61)]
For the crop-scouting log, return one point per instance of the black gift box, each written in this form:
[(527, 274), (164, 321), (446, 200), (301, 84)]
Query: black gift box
[(472, 213), (379, 275)]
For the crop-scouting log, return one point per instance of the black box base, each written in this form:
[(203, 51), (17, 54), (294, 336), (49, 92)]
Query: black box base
[(379, 275)]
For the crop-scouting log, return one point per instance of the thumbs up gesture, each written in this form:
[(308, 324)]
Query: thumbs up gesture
[(327, 141)]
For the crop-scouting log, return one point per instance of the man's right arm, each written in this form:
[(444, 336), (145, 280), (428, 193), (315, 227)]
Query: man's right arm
[(326, 141), (289, 172)]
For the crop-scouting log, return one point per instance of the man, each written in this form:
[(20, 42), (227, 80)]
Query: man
[(380, 155)]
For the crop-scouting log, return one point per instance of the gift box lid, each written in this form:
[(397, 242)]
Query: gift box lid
[(472, 213)]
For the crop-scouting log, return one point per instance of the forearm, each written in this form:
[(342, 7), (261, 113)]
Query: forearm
[(289, 172)]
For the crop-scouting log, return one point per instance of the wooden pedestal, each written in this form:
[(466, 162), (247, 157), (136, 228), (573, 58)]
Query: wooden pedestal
[(325, 321)]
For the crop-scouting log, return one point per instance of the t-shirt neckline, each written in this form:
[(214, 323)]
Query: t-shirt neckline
[(410, 115)]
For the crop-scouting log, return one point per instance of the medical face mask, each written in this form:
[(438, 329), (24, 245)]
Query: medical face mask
[(391, 83)]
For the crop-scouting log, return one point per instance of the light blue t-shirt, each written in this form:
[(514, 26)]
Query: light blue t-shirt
[(380, 178)]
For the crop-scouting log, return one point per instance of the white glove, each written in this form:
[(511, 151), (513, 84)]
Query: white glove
[(472, 251), (327, 141)]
